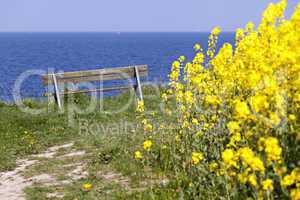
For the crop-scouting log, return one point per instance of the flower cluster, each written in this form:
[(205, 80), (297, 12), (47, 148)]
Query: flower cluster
[(239, 106)]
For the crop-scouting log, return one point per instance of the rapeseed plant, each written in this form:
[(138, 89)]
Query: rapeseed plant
[(233, 114)]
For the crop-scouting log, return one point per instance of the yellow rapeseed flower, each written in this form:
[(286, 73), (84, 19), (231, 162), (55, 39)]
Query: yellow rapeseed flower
[(197, 47), (246, 90), (216, 31), (147, 145), (275, 120), (295, 194), (242, 109), (233, 126), (87, 186), (181, 58), (268, 185), (272, 149), (195, 121), (292, 117), (196, 157), (213, 166), (148, 127), (229, 158), (140, 106), (250, 159), (138, 155), (252, 180)]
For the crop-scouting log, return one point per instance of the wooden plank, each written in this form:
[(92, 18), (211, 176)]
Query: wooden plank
[(96, 75), (103, 71), (106, 89), (97, 78)]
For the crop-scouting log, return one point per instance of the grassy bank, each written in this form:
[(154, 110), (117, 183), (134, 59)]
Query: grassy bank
[(23, 133), (109, 145)]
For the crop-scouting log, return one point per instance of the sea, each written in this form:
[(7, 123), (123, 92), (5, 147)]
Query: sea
[(23, 53)]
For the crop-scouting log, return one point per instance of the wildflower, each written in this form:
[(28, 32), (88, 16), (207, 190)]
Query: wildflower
[(87, 186), (261, 143), (268, 185), (292, 117), (280, 170), (242, 109), (292, 178), (197, 157), (175, 71), (138, 155), (140, 106), (199, 58), (249, 26), (252, 180), (288, 180), (233, 126), (197, 47), (229, 157), (213, 166), (147, 145), (177, 138), (176, 64), (272, 149), (243, 178), (164, 96), (181, 58), (274, 119), (212, 100), (148, 127), (295, 194), (216, 31), (253, 79), (249, 158), (199, 134), (195, 121), (239, 34), (249, 134), (259, 102), (144, 121), (243, 86), (189, 97), (214, 118), (236, 137)]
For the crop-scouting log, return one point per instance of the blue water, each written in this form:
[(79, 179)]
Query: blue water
[(80, 51)]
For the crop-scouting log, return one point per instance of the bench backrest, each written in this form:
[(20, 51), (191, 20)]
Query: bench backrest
[(96, 75)]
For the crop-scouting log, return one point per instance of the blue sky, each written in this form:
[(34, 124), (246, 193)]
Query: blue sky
[(129, 15)]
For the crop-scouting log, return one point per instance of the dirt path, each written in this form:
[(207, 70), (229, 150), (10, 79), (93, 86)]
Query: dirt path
[(13, 183), (62, 167)]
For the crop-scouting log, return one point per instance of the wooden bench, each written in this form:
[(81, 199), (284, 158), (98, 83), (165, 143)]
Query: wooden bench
[(106, 74)]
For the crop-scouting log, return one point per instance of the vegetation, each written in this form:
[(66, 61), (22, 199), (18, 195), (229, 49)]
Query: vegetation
[(231, 125), (226, 128), (109, 147)]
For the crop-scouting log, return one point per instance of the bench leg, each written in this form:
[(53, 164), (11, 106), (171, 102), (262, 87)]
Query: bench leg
[(56, 92), (138, 87)]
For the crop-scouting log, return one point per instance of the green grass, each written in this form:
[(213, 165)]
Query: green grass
[(23, 134)]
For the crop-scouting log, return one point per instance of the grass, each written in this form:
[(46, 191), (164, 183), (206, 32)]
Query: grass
[(108, 150)]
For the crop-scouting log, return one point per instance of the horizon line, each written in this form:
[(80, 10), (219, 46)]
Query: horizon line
[(112, 32)]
